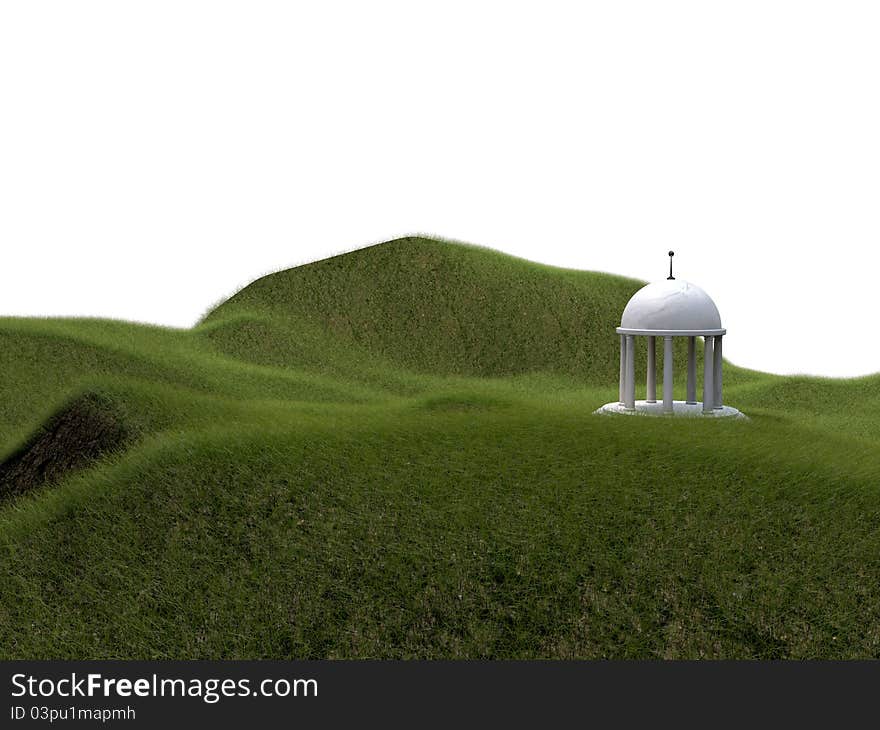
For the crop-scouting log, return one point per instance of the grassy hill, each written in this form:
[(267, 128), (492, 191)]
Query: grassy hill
[(432, 307), (392, 453)]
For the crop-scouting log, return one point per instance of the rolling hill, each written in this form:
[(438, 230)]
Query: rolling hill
[(392, 453)]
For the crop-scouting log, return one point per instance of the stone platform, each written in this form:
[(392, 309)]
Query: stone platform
[(679, 409)]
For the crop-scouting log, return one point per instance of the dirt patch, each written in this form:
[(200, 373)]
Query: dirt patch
[(84, 430)]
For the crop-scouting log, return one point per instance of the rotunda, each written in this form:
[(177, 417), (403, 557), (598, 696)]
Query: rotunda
[(663, 310)]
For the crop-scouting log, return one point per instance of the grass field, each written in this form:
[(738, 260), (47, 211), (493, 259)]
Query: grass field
[(392, 453)]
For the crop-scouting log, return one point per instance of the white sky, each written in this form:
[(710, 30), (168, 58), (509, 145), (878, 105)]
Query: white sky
[(155, 156)]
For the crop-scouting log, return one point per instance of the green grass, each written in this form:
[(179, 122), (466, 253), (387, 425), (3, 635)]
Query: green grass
[(392, 453)]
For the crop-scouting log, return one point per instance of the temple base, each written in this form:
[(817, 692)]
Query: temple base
[(679, 408)]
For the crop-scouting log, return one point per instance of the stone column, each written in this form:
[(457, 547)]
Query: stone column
[(692, 371), (652, 369), (717, 401), (622, 387), (708, 371), (667, 374), (629, 400)]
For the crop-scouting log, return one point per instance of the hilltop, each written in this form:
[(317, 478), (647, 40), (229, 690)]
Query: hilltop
[(434, 307), (391, 453)]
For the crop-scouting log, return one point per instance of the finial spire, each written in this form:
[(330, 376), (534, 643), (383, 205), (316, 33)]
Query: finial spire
[(671, 254)]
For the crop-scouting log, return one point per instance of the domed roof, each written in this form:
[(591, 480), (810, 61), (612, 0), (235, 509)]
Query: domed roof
[(673, 305)]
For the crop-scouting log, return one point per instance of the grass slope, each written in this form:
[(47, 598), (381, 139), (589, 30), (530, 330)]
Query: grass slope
[(437, 308), (391, 453)]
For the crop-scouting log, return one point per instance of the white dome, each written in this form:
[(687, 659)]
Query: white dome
[(671, 306)]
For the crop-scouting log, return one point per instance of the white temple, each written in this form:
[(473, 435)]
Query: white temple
[(667, 309)]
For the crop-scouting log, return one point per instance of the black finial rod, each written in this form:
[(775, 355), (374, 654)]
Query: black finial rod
[(671, 254)]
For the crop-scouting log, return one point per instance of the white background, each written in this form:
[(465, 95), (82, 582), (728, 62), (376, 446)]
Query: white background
[(155, 156)]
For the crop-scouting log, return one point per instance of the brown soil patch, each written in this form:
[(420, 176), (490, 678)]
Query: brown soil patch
[(87, 428)]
